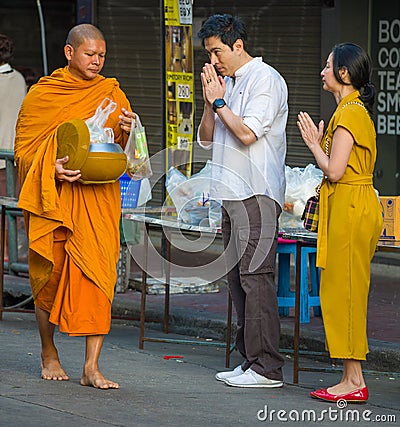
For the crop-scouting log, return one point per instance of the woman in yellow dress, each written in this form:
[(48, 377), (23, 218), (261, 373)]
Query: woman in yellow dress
[(350, 214)]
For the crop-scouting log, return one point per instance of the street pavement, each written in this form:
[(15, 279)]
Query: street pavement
[(159, 391)]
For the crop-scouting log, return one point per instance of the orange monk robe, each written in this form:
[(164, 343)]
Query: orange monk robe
[(90, 213)]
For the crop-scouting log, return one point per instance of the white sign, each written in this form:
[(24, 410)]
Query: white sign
[(388, 59), (185, 11)]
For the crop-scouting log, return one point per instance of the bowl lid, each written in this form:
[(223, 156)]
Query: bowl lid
[(73, 140)]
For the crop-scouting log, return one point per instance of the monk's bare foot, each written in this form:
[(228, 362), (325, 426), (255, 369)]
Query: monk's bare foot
[(98, 380), (52, 370)]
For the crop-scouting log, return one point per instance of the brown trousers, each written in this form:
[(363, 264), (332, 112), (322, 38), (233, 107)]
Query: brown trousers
[(250, 233)]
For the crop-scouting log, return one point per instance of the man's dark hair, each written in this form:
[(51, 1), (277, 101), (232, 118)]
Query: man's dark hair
[(31, 76), (227, 27), (6, 49)]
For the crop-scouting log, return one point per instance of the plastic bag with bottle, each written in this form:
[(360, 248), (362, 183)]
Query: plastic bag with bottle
[(137, 153)]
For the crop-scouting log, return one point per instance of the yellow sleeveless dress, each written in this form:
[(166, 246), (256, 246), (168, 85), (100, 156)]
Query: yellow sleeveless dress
[(348, 232)]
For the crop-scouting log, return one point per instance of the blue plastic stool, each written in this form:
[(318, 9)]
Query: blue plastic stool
[(286, 297)]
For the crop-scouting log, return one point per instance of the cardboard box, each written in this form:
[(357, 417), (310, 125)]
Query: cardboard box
[(391, 217)]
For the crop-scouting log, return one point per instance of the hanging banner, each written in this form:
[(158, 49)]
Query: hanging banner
[(179, 84)]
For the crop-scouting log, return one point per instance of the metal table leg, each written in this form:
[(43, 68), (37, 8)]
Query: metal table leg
[(2, 239), (143, 286), (296, 337), (167, 235)]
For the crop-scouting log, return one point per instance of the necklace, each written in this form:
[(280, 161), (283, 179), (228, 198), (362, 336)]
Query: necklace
[(356, 103)]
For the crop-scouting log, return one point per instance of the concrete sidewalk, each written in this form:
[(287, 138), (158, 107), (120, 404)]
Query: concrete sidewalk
[(183, 392), (159, 392), (204, 315)]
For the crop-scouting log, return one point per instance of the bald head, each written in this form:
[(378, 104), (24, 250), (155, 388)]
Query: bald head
[(82, 32), (85, 51)]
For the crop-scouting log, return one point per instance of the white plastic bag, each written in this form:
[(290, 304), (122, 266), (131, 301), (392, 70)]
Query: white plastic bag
[(191, 197), (145, 192), (98, 133), (300, 186)]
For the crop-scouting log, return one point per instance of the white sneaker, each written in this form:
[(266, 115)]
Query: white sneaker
[(222, 376), (250, 378)]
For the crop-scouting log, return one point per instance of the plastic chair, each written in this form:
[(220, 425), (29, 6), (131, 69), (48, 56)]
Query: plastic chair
[(309, 271)]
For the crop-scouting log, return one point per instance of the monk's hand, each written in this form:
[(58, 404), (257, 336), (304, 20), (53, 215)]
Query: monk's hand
[(66, 174), (126, 119), (311, 134)]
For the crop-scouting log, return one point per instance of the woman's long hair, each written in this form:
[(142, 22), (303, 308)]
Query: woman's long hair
[(358, 64)]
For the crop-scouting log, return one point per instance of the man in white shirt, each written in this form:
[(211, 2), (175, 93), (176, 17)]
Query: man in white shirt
[(244, 121), (12, 93)]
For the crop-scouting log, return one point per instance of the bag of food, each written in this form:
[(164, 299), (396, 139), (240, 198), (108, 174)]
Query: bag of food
[(98, 133), (300, 186), (137, 153)]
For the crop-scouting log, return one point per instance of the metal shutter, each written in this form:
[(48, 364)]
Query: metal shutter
[(19, 19), (286, 33), (132, 31)]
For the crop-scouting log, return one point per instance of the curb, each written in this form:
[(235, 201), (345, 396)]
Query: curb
[(383, 357)]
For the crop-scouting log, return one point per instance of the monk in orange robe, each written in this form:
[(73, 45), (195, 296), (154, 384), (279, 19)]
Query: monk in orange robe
[(73, 228)]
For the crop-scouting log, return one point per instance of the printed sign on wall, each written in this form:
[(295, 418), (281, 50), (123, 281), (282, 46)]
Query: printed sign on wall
[(385, 54), (179, 84)]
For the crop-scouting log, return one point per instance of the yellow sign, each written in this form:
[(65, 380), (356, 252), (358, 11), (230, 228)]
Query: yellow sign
[(179, 84)]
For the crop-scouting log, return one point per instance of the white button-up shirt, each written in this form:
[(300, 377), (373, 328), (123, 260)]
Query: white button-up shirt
[(259, 95)]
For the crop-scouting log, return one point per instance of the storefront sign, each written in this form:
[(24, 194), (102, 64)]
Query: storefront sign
[(388, 73), (385, 55), (179, 84)]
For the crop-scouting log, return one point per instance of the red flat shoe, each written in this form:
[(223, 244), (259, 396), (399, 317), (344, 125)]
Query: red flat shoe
[(356, 396)]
